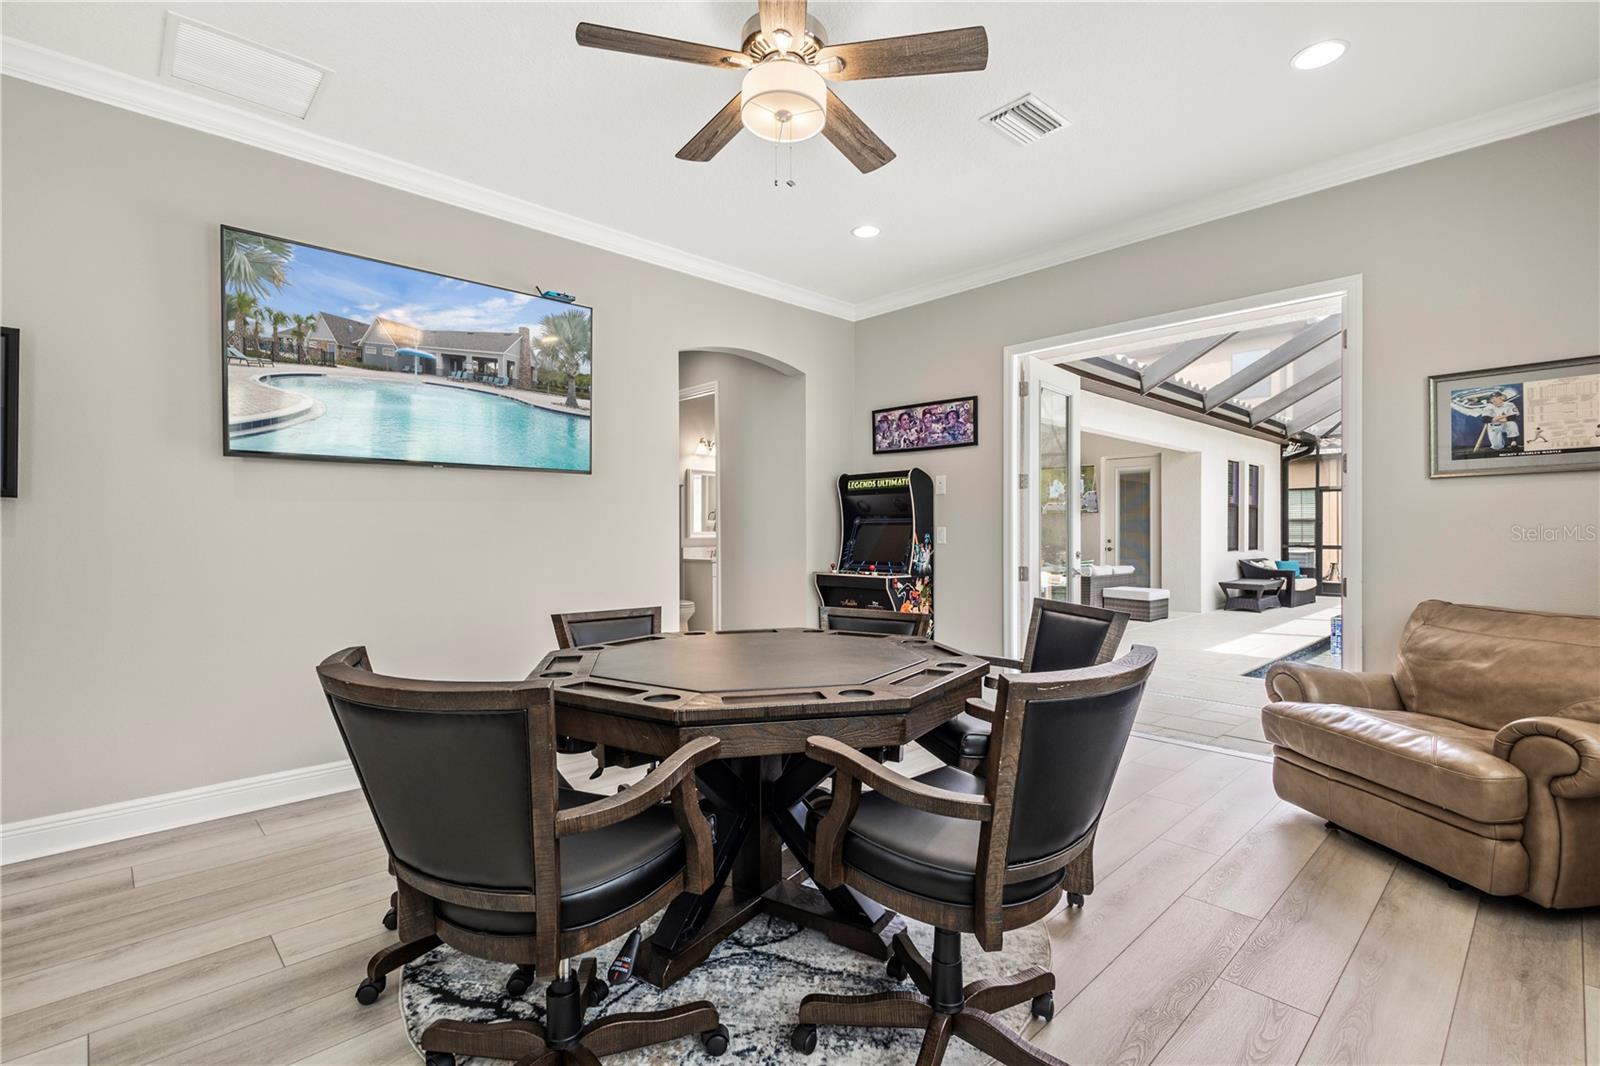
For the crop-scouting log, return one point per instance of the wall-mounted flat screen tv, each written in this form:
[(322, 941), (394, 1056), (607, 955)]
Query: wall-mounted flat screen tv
[(333, 356), (10, 407)]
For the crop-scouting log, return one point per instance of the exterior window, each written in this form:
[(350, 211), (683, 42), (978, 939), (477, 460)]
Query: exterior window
[(1233, 506), (1255, 507)]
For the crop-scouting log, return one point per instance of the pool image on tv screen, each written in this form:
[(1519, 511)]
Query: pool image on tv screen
[(328, 355)]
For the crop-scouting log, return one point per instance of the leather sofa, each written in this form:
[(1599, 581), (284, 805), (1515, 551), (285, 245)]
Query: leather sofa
[(1479, 756)]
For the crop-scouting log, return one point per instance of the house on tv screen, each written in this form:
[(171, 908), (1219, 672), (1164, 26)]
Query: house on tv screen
[(396, 345)]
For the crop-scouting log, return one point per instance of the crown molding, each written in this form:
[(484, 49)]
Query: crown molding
[(159, 100), (56, 70), (1576, 102)]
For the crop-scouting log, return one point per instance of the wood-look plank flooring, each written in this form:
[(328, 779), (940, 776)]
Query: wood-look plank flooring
[(1227, 927)]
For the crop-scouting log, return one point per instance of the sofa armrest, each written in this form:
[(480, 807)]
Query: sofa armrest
[(1572, 765), (1299, 683)]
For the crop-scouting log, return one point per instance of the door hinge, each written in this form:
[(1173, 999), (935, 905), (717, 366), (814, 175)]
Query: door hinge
[(1022, 481), (1022, 573), (1022, 388)]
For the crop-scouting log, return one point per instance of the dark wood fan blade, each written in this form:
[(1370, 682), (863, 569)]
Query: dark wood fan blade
[(944, 52), (786, 15), (845, 130), (644, 44), (714, 135)]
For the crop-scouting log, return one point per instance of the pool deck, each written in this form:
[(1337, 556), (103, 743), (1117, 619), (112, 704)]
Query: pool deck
[(251, 401)]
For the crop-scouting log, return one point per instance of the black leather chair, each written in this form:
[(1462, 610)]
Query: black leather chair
[(1061, 636), (597, 627), (979, 855), (494, 858), (866, 620)]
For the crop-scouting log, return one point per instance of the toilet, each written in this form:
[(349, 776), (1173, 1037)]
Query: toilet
[(686, 610)]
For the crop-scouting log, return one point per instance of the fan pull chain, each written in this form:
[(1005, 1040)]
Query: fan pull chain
[(783, 124)]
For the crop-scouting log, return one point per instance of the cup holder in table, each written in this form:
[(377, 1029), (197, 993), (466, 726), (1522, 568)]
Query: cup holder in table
[(556, 673), (857, 692), (954, 665), (662, 697)]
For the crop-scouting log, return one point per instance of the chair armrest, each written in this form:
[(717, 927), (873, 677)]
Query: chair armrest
[(998, 662), (674, 775), (981, 708), (1573, 770), (1299, 683), (854, 769), (851, 763)]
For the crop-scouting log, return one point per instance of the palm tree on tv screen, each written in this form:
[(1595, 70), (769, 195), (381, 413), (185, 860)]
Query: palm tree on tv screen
[(303, 324), (241, 309), (278, 320), (566, 343), (254, 264)]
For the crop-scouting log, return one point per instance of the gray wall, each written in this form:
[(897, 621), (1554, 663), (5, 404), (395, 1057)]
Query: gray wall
[(1484, 258), (761, 414), (163, 605)]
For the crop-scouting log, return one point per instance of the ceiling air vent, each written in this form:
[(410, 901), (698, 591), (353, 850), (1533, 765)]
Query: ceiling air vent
[(204, 56), (1025, 120)]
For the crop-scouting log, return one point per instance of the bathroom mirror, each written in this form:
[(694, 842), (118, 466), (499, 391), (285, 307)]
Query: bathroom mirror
[(700, 493)]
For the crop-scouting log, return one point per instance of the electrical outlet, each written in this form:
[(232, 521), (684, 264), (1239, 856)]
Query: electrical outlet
[(938, 535), (938, 484)]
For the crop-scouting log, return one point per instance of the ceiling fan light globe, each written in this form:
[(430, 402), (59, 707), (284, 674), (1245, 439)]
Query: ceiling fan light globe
[(783, 101)]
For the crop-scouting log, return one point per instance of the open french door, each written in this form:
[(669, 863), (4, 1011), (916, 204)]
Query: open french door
[(1042, 491)]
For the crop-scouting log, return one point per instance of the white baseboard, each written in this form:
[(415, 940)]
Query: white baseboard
[(56, 833)]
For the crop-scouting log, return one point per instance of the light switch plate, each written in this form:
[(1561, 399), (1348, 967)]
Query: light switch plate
[(938, 484), (938, 535)]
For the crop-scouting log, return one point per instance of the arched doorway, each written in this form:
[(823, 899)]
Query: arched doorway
[(752, 467)]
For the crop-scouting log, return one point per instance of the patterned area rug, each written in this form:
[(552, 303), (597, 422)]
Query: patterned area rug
[(755, 978)]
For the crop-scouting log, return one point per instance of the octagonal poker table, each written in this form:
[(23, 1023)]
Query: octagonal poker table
[(761, 693)]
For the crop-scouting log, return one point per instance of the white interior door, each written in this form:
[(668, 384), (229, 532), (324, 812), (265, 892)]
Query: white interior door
[(1042, 530), (1131, 516)]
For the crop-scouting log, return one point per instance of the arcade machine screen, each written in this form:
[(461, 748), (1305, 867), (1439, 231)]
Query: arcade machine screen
[(886, 545)]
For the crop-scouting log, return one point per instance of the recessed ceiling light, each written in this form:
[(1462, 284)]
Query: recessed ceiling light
[(865, 231), (1318, 55)]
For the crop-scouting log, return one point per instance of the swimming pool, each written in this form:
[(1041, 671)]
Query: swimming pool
[(366, 418)]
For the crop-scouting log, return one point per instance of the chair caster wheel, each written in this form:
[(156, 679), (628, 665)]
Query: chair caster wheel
[(804, 1039), (440, 1058), (520, 981), (715, 1040), (1075, 899), (598, 989), (391, 921), (369, 990), (1044, 1006), (897, 969)]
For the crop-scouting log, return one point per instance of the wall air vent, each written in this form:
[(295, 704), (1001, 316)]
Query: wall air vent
[(204, 56), (1025, 120)]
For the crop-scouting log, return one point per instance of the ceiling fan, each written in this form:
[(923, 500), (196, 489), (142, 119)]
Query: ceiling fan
[(787, 61)]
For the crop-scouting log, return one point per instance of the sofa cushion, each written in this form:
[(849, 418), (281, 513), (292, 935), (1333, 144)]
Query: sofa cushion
[(1304, 584), (1441, 762), (1134, 592), (1486, 667)]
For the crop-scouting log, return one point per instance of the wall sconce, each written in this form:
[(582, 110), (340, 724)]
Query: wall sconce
[(705, 447)]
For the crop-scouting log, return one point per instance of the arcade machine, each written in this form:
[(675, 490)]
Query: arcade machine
[(885, 544)]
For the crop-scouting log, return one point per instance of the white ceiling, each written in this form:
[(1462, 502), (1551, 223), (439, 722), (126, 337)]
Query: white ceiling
[(1170, 104)]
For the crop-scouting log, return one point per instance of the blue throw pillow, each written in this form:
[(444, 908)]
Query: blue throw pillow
[(1289, 566)]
